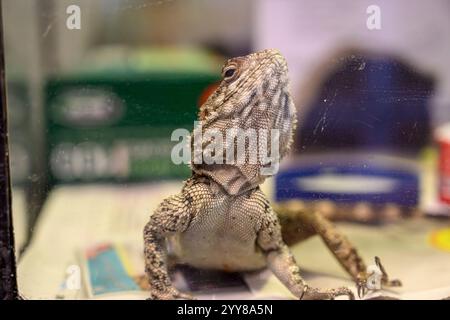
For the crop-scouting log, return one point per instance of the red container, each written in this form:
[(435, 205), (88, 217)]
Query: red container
[(443, 139)]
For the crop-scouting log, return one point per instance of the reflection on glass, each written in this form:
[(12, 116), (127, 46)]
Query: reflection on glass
[(96, 89)]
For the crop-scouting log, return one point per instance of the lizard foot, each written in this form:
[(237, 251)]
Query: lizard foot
[(169, 294), (327, 294), (363, 285)]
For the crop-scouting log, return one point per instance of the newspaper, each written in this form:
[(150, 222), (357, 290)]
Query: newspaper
[(113, 271), (415, 251), (78, 218)]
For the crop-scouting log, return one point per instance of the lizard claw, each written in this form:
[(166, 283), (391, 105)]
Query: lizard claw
[(361, 285), (361, 288), (385, 278)]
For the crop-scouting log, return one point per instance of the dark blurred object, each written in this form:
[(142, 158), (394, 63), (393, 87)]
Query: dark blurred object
[(369, 102), (8, 277), (203, 280), (360, 139)]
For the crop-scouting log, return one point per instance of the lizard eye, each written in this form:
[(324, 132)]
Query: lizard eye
[(229, 73)]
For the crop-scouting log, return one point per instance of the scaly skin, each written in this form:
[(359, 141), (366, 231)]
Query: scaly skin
[(221, 219)]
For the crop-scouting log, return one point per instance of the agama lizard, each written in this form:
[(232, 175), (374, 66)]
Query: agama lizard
[(221, 219)]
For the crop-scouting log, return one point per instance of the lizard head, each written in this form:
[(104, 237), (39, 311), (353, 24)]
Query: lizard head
[(254, 87), (253, 97)]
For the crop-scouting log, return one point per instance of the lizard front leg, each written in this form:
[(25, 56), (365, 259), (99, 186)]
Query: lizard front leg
[(172, 216), (281, 262)]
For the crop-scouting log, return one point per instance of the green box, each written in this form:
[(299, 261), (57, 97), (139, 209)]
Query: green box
[(116, 124)]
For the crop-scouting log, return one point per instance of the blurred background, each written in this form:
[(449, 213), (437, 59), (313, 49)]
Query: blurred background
[(92, 109)]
